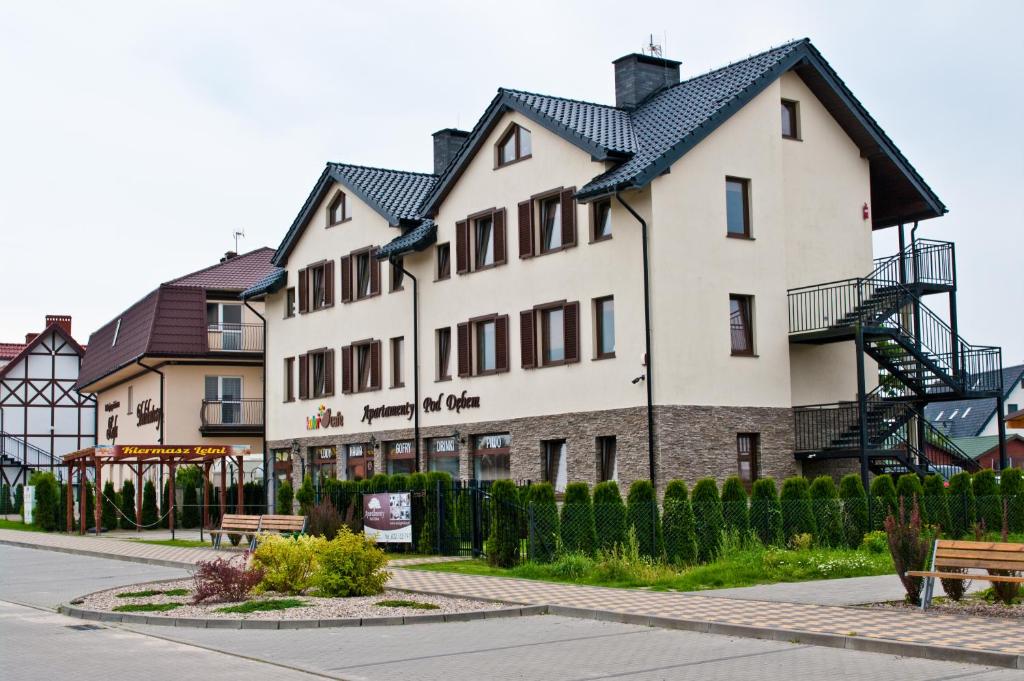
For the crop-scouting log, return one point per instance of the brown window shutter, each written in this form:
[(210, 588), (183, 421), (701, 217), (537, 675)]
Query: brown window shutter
[(528, 338), (526, 229), (465, 355), (329, 373), (499, 236), (303, 377), (329, 282), (568, 218), (346, 369), (462, 246), (303, 290), (374, 273), (375, 365), (571, 317), (501, 343), (346, 279)]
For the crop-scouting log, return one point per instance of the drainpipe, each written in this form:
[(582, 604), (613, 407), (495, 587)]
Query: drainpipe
[(647, 340), (415, 354), (271, 499)]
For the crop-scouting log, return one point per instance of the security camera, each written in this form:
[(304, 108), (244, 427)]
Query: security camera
[(638, 379)]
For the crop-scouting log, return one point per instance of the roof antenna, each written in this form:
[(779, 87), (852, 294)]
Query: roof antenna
[(653, 49), (238, 233)]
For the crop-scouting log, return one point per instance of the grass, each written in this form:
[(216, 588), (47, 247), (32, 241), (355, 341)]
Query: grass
[(262, 606), (398, 603), (180, 543), (147, 607), (153, 592), (18, 525)]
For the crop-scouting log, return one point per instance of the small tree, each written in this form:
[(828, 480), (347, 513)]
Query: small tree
[(190, 508), (678, 525), (910, 547), (1011, 487), (766, 512), (855, 509), (734, 506), (642, 515), (578, 533), (47, 503), (6, 505), (19, 498), (284, 498), (127, 519), (961, 505), (305, 496), (503, 543), (909, 487), (108, 513), (797, 514), (708, 521), (934, 505), (829, 514), (545, 526), (149, 512), (987, 499), (883, 500), (609, 515)]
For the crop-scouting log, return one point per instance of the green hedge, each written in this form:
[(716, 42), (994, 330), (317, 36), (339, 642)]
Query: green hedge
[(678, 525), (643, 519), (127, 517), (935, 504), (797, 514), (503, 544), (856, 521), (285, 496), (108, 513), (766, 512), (708, 519), (544, 514), (577, 521), (609, 515), (829, 513), (1011, 487), (961, 505), (987, 499), (884, 500), (149, 511), (734, 506)]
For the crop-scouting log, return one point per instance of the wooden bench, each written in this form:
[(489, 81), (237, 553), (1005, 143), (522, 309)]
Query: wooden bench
[(948, 553), (283, 524), (234, 523)]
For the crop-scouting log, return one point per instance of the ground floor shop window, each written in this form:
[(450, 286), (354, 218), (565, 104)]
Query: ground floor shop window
[(555, 464), (492, 457), (444, 455), (400, 456), (748, 454), (358, 462), (323, 464), (607, 465)]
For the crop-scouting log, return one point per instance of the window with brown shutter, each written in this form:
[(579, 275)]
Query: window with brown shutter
[(444, 352), (444, 262), (321, 284), (303, 291), (498, 221), (501, 343), (289, 302), (568, 218), (559, 332), (374, 272), (303, 377), (364, 360), (397, 352), (375, 365), (346, 369), (528, 339), (464, 351), (329, 372), (549, 220), (329, 283), (289, 379), (526, 229), (397, 275), (321, 372), (346, 279), (462, 246)]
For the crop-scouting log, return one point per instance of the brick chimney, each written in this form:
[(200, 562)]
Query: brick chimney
[(63, 319), (638, 76), (29, 337), (447, 143), (228, 256)]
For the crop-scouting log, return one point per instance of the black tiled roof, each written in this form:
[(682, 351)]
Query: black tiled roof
[(606, 126), (396, 194), (967, 418), (416, 239), (268, 284)]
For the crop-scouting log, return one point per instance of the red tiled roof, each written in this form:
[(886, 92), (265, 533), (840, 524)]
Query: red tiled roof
[(10, 350), (235, 274), (58, 328)]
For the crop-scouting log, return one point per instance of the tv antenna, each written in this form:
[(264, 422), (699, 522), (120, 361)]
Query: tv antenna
[(653, 49), (238, 233)]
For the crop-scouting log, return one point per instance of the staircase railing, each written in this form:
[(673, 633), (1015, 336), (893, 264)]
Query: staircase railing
[(818, 427), (924, 262), (25, 453)]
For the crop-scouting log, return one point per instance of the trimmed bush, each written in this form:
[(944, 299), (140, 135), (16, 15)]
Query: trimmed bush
[(190, 511), (350, 565), (544, 515), (324, 520), (127, 518), (797, 514), (284, 498), (502, 546), (734, 506), (108, 514), (289, 564), (678, 525), (934, 505), (883, 501), (399, 482), (708, 521), (439, 527), (766, 512), (855, 509), (578, 533), (305, 495), (987, 499), (47, 502), (19, 498), (609, 516), (1011, 487), (379, 483), (961, 505), (165, 506), (224, 579), (827, 511), (642, 517), (908, 486), (910, 547), (149, 512)]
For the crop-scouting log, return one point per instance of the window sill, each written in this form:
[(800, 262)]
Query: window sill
[(335, 224), (396, 290), (741, 237), (442, 278), (792, 139), (484, 268), (600, 239), (499, 166), (397, 386), (555, 250), (442, 379), (608, 355), (744, 354)]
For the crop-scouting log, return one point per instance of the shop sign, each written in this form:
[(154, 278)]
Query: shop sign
[(388, 517), (325, 418), (112, 427), (111, 406), (147, 413), (445, 445), (493, 441), (403, 447), (326, 453), (453, 402), (172, 451), (384, 411), (355, 451)]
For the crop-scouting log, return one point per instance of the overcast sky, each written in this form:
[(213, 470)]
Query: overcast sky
[(135, 137)]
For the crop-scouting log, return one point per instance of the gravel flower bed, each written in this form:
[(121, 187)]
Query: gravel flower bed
[(313, 608), (975, 607)]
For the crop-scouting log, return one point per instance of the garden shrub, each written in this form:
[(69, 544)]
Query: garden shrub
[(6, 503), (224, 579), (609, 515), (876, 541), (399, 482), (708, 521), (955, 588), (350, 565), (284, 498), (379, 483), (855, 509), (324, 520), (190, 510), (934, 504), (108, 514), (987, 499), (734, 506), (960, 496), (908, 488), (578, 533), (797, 514), (47, 502), (827, 511), (642, 517), (1011, 487), (544, 515), (502, 546), (127, 518), (766, 512), (289, 564), (305, 495), (801, 542), (439, 526), (882, 501), (910, 547), (19, 498), (678, 525), (571, 566), (418, 489), (149, 512)]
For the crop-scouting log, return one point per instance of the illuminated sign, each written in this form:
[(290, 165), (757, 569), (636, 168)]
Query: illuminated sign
[(325, 418)]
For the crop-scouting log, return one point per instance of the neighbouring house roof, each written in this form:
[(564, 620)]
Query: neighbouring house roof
[(234, 274), (26, 348), (967, 418), (976, 447), (10, 350)]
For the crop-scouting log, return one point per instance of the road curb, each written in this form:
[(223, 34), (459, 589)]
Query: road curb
[(100, 554)]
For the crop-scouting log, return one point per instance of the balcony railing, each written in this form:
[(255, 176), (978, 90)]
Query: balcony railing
[(232, 416), (234, 337)]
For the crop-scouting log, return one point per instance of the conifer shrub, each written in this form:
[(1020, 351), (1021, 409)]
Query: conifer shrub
[(149, 512), (827, 511), (988, 502), (6, 503), (418, 489), (305, 495), (544, 517), (797, 514), (766, 512), (62, 507), (90, 505), (609, 516), (379, 483), (19, 498), (734, 506), (678, 525), (108, 513), (127, 518), (190, 511), (642, 517), (399, 482), (1011, 487), (578, 532), (47, 503), (934, 505), (883, 500), (708, 520), (284, 498), (439, 527), (854, 499), (909, 486), (165, 506), (502, 547), (960, 495), (214, 503)]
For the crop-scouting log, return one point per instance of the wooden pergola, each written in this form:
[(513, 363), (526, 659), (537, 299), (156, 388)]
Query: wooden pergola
[(140, 458)]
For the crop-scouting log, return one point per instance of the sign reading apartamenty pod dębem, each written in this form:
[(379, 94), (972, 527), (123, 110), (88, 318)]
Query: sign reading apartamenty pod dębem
[(387, 518)]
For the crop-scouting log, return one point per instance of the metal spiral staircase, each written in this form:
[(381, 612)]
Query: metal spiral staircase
[(920, 359)]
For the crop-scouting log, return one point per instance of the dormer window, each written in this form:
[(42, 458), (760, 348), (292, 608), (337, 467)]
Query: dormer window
[(337, 210), (515, 145)]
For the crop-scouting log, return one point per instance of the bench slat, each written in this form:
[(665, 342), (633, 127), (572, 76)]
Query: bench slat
[(982, 563), (990, 555), (980, 545), (967, 575)]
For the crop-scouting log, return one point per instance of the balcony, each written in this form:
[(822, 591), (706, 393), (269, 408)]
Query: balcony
[(242, 416), (234, 338)]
